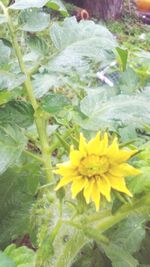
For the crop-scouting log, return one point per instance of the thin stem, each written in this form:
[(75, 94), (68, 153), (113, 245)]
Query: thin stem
[(40, 119), (33, 155)]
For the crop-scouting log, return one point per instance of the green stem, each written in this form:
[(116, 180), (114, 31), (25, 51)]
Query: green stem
[(141, 205), (30, 154), (40, 121)]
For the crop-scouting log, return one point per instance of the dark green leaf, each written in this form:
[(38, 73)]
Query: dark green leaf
[(12, 143), (54, 103), (17, 112), (119, 257), (38, 45), (57, 5)]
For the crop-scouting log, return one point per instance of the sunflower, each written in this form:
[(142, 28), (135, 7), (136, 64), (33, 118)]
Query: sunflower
[(96, 168)]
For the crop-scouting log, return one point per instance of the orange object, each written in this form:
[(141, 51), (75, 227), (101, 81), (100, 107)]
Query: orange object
[(143, 5), (80, 13)]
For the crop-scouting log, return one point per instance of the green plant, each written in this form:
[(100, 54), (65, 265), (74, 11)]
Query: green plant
[(49, 93)]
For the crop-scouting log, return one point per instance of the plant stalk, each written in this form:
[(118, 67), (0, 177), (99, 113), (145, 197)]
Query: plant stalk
[(40, 119)]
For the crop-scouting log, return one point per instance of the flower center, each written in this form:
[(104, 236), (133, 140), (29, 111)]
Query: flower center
[(93, 166)]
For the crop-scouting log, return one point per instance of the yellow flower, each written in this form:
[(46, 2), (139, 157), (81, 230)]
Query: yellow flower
[(96, 168)]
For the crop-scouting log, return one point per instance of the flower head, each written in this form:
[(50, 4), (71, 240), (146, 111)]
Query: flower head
[(96, 168)]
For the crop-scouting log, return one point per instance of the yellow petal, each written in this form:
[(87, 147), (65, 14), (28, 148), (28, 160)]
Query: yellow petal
[(66, 171), (96, 196), (124, 155), (88, 190), (75, 157), (104, 187), (83, 145), (118, 183), (113, 148), (124, 170), (62, 182), (104, 144), (93, 146), (78, 185)]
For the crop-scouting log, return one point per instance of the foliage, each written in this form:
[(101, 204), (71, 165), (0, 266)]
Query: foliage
[(58, 78)]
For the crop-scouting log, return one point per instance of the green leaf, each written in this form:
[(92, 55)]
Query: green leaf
[(33, 20), (58, 6), (10, 81), (53, 4), (18, 187), (54, 103), (122, 57), (17, 112), (12, 143), (21, 4), (71, 249), (119, 257), (78, 43), (112, 112), (6, 261), (129, 233), (22, 256), (38, 45), (5, 52), (5, 96), (129, 81), (42, 83)]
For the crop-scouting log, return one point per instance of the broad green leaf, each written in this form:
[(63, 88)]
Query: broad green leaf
[(141, 183), (71, 249), (18, 187), (122, 55), (54, 103), (89, 255), (21, 4), (33, 20), (57, 5), (6, 261), (53, 4), (79, 43), (5, 52), (129, 233), (12, 143), (17, 112), (129, 81), (10, 81), (119, 257), (112, 112), (38, 45)]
